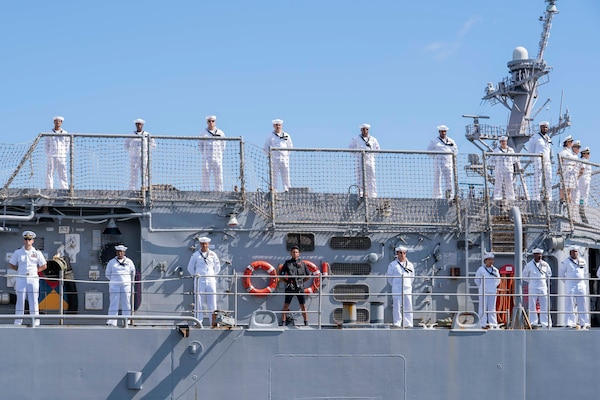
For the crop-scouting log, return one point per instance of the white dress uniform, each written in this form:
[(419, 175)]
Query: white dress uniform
[(583, 185), (400, 278), (138, 147), (576, 272), (569, 168), (280, 160), (541, 144), (57, 148), (204, 267), (212, 159), (504, 173), (487, 280), (365, 143), (442, 166), (538, 275), (120, 274), (27, 283)]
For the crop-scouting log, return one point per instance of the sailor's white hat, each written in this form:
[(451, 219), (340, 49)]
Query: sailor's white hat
[(277, 121), (120, 247), (537, 250), (442, 128), (139, 121), (211, 117), (58, 118), (487, 255), (568, 138), (544, 123), (361, 126), (585, 150), (503, 138), (29, 235), (204, 239), (401, 248), (577, 143), (573, 248)]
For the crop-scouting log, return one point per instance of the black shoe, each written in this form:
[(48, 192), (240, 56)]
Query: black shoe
[(287, 322), (305, 323)]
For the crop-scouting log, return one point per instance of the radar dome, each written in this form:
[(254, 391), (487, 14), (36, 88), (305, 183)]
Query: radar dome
[(520, 53)]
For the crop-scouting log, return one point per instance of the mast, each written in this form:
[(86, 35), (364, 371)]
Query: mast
[(518, 91)]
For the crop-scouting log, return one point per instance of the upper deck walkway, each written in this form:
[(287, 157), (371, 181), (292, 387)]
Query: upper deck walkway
[(108, 170)]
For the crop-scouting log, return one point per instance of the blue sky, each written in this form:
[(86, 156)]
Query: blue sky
[(322, 66)]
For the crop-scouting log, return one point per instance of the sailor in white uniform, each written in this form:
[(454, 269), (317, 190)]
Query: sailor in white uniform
[(504, 167), (537, 274), (120, 271), (575, 270), (585, 179), (212, 155), (442, 165), (57, 148), (487, 279), (280, 160), (364, 141), (401, 274), (27, 261), (204, 266), (573, 170), (564, 155), (540, 143), (138, 147)]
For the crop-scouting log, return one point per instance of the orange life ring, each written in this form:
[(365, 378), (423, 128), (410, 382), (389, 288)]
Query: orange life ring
[(247, 278), (316, 273)]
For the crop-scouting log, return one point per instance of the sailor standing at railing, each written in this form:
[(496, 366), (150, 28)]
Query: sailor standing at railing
[(57, 148), (487, 279), (280, 160), (365, 141), (27, 261), (138, 148), (572, 174), (504, 167), (212, 155), (537, 274), (585, 179), (575, 270), (565, 154), (540, 143), (120, 272), (401, 274), (442, 165), (204, 265)]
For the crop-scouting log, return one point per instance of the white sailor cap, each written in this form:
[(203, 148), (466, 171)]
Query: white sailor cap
[(120, 247), (537, 250), (577, 143), (204, 239), (544, 123), (58, 118), (503, 138), (487, 255), (211, 117), (29, 235), (361, 126), (573, 248), (277, 121), (139, 121), (401, 248), (567, 139), (442, 128), (585, 150)]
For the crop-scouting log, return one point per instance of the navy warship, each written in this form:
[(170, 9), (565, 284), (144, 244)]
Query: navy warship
[(349, 350)]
